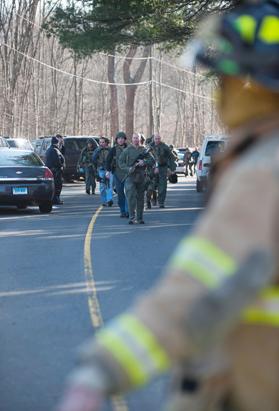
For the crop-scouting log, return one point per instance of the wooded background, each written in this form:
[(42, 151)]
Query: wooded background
[(46, 88)]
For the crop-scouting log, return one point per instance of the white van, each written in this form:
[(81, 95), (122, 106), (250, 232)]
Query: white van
[(211, 145)]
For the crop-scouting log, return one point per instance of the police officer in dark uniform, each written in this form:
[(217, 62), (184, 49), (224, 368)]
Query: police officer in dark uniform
[(55, 162), (61, 144)]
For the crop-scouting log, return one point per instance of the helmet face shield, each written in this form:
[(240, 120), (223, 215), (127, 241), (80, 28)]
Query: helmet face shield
[(242, 42)]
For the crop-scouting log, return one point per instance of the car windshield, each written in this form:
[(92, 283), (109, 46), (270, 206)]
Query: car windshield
[(180, 156), (20, 143), (214, 147), (12, 158)]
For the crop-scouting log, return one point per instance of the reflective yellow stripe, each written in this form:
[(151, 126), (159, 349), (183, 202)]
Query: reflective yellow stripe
[(135, 348), (254, 316), (269, 31), (270, 293), (123, 356), (266, 312), (203, 260), (246, 25), (148, 342)]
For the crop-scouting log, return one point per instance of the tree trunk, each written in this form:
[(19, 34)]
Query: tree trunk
[(129, 108), (114, 113), (131, 89), (75, 97)]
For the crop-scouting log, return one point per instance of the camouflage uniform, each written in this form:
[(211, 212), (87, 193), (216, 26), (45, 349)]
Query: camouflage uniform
[(135, 182), (188, 163), (100, 161), (164, 161), (86, 162), (151, 187), (118, 176)]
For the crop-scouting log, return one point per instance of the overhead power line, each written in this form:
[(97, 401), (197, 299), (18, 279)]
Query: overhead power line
[(142, 83), (71, 74), (183, 91), (127, 58)]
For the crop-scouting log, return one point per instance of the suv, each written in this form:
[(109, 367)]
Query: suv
[(3, 142), (211, 146), (73, 147)]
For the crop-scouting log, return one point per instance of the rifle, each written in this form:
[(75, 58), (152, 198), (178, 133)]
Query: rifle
[(142, 156)]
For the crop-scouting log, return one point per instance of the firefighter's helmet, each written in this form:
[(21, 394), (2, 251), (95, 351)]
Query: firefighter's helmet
[(243, 42)]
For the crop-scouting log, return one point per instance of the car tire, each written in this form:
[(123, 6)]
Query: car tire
[(199, 186), (45, 207)]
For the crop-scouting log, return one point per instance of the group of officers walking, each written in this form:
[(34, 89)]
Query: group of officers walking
[(130, 170)]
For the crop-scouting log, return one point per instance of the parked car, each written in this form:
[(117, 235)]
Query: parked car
[(181, 150), (211, 146), (73, 147), (180, 169), (21, 143), (3, 142), (25, 180)]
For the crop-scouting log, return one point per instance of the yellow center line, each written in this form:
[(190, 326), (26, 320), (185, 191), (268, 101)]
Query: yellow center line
[(96, 317)]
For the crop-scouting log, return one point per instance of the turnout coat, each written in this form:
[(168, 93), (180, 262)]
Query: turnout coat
[(220, 292)]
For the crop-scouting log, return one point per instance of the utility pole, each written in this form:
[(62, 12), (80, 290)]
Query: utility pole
[(151, 120)]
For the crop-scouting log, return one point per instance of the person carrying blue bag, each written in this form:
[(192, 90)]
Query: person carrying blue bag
[(104, 177)]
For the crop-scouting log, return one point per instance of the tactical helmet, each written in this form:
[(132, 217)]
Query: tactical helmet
[(243, 42), (173, 178), (121, 134)]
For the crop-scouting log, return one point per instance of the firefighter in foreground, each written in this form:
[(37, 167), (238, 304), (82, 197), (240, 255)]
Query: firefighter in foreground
[(221, 289)]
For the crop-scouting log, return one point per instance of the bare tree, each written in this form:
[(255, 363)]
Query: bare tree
[(114, 115), (132, 87)]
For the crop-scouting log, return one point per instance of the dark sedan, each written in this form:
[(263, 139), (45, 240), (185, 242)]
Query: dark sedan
[(25, 180)]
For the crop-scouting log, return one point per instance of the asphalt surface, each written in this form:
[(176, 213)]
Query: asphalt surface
[(44, 311)]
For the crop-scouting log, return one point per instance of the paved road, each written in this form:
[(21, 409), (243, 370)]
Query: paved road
[(46, 269)]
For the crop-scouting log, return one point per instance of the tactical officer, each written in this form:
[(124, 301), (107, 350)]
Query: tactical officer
[(152, 179), (86, 162), (221, 286), (164, 161), (151, 186), (194, 156), (188, 162), (55, 162), (104, 176), (118, 174), (133, 161), (174, 153)]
